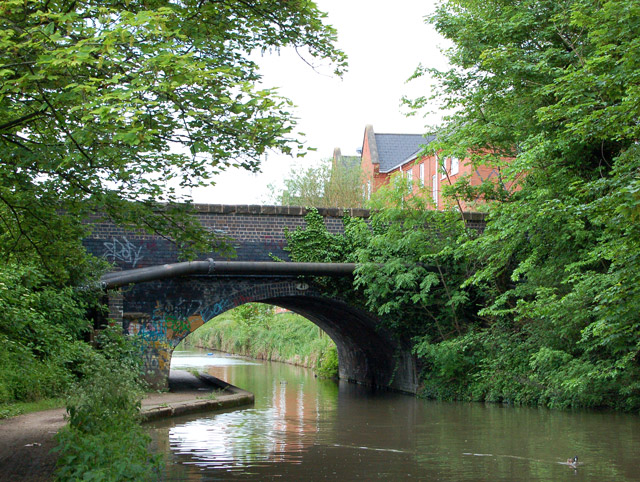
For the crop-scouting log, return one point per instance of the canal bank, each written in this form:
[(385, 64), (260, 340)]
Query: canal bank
[(27, 440)]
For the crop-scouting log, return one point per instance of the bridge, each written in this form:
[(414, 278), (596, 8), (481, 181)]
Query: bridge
[(163, 301)]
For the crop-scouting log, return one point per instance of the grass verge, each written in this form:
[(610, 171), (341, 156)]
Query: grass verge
[(20, 408), (284, 337)]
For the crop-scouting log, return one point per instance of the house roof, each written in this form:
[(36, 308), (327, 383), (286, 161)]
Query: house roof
[(393, 150)]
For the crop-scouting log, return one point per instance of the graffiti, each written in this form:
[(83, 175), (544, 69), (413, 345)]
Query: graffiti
[(177, 329), (177, 325), (169, 322), (241, 300), (178, 309), (148, 331), (150, 361), (214, 309), (122, 250), (156, 356), (156, 334)]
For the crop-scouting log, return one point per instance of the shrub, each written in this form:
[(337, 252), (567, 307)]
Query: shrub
[(328, 364), (104, 440)]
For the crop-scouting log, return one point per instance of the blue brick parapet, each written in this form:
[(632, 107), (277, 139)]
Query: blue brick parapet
[(256, 233)]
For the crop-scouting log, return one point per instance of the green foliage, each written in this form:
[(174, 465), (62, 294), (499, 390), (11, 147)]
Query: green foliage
[(108, 395), (113, 456), (410, 271), (330, 184), (483, 326), (408, 267), (103, 439), (40, 330), (554, 86), (314, 243), (328, 364), (285, 337), (541, 308), (116, 109), (345, 186), (42, 327), (119, 106), (303, 186), (254, 315)]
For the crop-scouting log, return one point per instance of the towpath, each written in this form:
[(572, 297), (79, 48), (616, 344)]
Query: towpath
[(26, 440)]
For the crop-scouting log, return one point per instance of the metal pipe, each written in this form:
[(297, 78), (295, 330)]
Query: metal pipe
[(235, 268)]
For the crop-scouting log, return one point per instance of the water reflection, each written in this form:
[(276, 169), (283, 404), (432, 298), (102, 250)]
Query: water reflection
[(306, 429)]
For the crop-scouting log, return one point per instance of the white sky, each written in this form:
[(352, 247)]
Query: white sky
[(385, 41)]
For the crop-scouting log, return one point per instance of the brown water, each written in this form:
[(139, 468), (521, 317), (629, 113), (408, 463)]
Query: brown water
[(302, 428)]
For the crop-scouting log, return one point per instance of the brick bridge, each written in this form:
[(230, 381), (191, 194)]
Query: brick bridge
[(164, 311)]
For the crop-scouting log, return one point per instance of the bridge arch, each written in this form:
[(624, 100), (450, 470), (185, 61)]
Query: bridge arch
[(164, 312), (366, 353)]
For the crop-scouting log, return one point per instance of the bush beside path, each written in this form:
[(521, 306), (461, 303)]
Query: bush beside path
[(27, 440)]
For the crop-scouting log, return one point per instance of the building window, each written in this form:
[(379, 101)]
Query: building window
[(434, 189), (422, 174), (410, 181), (368, 189), (443, 168), (455, 165)]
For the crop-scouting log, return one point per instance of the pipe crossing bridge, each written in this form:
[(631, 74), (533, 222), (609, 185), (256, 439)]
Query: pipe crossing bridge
[(163, 301)]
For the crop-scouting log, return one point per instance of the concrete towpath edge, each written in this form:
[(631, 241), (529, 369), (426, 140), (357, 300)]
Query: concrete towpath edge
[(237, 398)]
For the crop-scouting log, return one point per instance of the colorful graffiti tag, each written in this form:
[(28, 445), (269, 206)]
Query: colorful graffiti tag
[(170, 321)]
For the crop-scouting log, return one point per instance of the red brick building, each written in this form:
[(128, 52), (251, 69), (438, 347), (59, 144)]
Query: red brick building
[(385, 154)]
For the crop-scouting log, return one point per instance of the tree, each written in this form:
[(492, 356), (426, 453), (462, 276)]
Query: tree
[(330, 184), (114, 107), (346, 183), (554, 85), (303, 186)]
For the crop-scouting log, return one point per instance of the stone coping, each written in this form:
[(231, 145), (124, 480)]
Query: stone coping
[(297, 211), (195, 405), (257, 209), (207, 394)]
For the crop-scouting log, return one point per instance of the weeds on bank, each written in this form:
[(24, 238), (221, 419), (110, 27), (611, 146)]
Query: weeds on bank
[(328, 364), (104, 440), (20, 408), (255, 330), (213, 395)]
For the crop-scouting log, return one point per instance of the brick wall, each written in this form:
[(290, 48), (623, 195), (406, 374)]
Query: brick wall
[(255, 232)]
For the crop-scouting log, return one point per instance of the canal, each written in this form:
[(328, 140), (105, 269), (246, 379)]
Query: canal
[(302, 428)]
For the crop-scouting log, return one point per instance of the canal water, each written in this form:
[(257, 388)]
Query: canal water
[(302, 428)]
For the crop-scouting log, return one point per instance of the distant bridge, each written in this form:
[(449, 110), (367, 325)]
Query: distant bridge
[(163, 301)]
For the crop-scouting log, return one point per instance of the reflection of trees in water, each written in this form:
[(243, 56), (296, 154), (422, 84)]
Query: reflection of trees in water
[(282, 425), (302, 427)]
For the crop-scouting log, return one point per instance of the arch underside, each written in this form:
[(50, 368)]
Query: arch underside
[(176, 307), (365, 355)]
